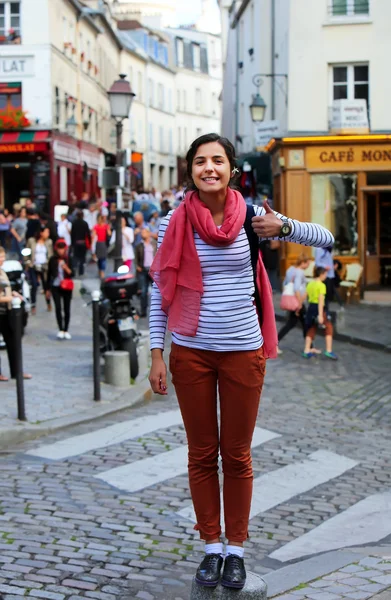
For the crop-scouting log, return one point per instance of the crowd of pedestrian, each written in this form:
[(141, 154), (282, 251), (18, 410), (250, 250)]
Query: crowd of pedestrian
[(310, 300), (85, 233)]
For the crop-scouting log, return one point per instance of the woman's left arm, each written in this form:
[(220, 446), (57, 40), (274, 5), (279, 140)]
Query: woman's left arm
[(267, 224)]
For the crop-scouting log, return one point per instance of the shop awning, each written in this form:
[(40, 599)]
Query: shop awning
[(23, 137)]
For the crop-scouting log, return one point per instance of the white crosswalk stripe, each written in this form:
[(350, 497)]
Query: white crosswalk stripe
[(141, 474), (363, 523), (281, 485), (108, 436), (368, 521)]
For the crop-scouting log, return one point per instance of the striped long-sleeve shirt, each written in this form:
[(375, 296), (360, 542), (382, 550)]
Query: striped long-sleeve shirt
[(228, 319)]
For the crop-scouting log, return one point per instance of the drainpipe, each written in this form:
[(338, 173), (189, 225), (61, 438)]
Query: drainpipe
[(273, 59), (237, 84)]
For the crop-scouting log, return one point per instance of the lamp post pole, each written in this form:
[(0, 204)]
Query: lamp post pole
[(118, 220), (121, 97)]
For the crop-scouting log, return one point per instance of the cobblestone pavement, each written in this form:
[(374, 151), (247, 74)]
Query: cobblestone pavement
[(370, 323), (357, 581), (65, 533), (44, 356)]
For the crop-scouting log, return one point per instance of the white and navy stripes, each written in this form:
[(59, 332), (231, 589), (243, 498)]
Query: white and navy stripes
[(228, 319)]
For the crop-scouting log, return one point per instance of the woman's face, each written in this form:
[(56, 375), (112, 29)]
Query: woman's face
[(61, 252), (23, 213), (211, 170), (45, 234)]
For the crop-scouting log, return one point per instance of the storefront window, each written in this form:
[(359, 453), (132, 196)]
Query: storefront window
[(334, 205)]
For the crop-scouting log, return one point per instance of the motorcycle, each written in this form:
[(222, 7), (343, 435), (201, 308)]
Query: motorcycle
[(16, 273), (118, 328)]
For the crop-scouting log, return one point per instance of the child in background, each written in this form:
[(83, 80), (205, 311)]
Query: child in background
[(317, 316)]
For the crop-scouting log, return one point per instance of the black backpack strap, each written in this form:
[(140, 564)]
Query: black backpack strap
[(253, 241)]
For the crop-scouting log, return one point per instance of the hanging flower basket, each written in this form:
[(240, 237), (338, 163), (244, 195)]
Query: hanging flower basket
[(74, 50), (13, 119), (96, 70), (89, 64), (82, 55)]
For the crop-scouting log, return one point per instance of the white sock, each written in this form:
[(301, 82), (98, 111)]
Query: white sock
[(237, 550), (214, 548)]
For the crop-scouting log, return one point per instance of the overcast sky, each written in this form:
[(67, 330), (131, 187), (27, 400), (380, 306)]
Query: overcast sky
[(189, 11)]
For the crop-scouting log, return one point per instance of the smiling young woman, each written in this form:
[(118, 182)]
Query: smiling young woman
[(205, 291)]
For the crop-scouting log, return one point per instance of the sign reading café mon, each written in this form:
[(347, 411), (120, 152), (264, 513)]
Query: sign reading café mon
[(349, 158)]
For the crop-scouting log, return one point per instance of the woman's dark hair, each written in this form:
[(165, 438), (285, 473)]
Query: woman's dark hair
[(40, 231), (319, 271), (79, 214), (207, 139)]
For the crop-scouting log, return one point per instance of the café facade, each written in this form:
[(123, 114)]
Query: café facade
[(343, 183), (47, 167)]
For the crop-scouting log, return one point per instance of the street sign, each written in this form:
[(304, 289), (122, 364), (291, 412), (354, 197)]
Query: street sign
[(349, 116), (264, 132)]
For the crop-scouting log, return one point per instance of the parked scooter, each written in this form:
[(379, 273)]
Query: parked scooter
[(16, 273), (118, 327)]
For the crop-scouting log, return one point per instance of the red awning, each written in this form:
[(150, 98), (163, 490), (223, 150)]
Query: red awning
[(23, 137)]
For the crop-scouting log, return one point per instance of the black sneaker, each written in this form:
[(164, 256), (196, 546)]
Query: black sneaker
[(208, 573), (234, 574)]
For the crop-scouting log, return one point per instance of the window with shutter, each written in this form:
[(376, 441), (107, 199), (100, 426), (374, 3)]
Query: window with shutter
[(188, 55), (204, 60)]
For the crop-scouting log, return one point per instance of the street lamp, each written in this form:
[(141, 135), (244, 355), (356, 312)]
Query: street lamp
[(258, 108), (71, 126), (121, 98)]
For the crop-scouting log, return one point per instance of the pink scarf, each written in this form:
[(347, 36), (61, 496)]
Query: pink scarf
[(176, 268)]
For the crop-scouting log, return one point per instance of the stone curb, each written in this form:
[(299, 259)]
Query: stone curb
[(344, 337), (289, 577), (22, 432)]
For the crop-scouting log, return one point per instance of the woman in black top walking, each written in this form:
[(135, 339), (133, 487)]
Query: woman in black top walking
[(60, 275)]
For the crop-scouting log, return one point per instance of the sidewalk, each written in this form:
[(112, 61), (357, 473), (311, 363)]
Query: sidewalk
[(353, 573), (61, 391), (363, 324)]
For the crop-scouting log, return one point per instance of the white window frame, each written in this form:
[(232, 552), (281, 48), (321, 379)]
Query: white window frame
[(350, 14), (151, 136), (161, 96), (198, 100), (7, 15), (161, 138), (350, 80), (180, 52), (197, 57), (170, 141), (151, 92), (140, 86)]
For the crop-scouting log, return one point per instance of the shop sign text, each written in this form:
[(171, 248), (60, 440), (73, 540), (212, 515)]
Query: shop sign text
[(4, 148), (17, 65), (349, 157)]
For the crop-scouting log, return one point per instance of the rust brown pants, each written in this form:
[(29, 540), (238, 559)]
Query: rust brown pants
[(238, 376)]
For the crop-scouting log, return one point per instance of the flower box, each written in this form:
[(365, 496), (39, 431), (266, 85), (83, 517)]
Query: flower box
[(13, 119)]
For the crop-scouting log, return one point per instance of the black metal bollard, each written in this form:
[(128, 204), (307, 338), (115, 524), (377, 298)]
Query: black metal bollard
[(17, 318), (96, 343)]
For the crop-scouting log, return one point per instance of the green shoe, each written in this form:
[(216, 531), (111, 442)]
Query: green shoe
[(307, 355), (331, 355)]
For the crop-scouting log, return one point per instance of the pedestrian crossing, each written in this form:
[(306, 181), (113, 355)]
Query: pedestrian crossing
[(147, 472), (281, 485), (367, 521), (108, 436)]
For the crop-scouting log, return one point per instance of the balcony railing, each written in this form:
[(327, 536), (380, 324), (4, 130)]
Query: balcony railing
[(348, 8)]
